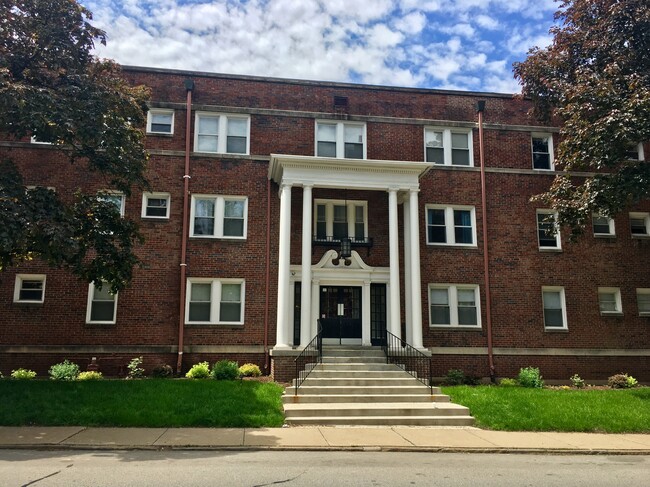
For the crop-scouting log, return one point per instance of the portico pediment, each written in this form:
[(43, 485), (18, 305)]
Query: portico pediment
[(331, 256)]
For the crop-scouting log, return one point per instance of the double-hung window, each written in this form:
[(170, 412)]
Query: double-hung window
[(102, 305), (635, 153), (554, 308), (216, 216), (454, 305), (643, 301), (114, 197), (609, 301), (640, 224), (337, 219), (222, 133), (542, 145), (160, 121), (603, 226), (449, 147), (155, 205), (451, 225), (215, 301), (341, 139), (29, 288), (548, 233)]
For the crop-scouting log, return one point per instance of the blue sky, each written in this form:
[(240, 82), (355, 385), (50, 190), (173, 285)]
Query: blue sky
[(460, 44)]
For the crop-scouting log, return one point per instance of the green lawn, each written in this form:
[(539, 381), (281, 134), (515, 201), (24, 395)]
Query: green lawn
[(145, 403), (521, 409)]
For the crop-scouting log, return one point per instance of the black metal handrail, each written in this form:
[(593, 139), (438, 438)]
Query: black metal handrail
[(312, 355), (413, 361)]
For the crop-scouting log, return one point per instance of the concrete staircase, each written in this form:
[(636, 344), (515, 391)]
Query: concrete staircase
[(355, 386)]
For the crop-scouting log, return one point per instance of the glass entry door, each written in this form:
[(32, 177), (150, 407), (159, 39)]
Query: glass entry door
[(340, 311)]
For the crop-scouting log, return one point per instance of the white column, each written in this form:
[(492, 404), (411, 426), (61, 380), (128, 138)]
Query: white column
[(305, 301), (365, 314), (416, 293), (407, 269), (394, 325), (284, 291)]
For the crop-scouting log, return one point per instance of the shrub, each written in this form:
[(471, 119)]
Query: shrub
[(622, 381), (23, 374), (225, 370), (249, 370), (454, 377), (162, 371), (90, 375), (199, 371), (472, 380), (577, 381), (530, 377), (506, 382), (65, 370), (135, 371)]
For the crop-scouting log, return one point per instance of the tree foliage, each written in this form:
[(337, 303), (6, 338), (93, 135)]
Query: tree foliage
[(595, 78), (53, 87)]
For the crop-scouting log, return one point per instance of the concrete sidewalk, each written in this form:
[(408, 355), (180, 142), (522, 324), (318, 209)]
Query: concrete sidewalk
[(396, 438)]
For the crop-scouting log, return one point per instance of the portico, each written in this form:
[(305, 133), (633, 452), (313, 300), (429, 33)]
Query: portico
[(399, 180)]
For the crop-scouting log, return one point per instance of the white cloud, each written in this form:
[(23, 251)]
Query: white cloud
[(487, 22), (412, 23)]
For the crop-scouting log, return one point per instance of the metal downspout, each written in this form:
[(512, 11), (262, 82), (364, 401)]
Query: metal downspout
[(189, 87), (268, 275), (480, 108)]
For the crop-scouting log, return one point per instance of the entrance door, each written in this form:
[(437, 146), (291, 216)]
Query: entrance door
[(340, 312), (378, 314)]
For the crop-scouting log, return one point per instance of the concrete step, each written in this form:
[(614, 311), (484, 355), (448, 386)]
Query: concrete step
[(301, 410), (360, 390), (351, 366), (354, 352), (384, 421), (319, 373), (361, 398), (405, 380), (352, 359)]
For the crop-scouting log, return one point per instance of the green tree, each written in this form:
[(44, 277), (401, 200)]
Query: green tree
[(595, 80), (53, 87)]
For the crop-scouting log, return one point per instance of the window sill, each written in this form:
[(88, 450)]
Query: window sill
[(160, 134), (210, 237), (605, 236), (556, 330), (221, 154), (641, 237), (453, 246), (549, 250), (611, 313), (538, 169), (155, 218), (207, 323), (456, 327), (644, 315), (29, 303), (100, 323)]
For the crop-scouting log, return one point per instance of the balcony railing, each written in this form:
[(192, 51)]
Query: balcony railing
[(330, 240)]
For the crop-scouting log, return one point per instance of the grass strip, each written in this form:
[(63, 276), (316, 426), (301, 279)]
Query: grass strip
[(522, 409), (141, 403)]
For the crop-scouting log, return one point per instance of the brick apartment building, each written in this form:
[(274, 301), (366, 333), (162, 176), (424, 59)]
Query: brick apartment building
[(282, 176)]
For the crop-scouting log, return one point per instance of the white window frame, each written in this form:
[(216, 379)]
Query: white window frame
[(449, 225), (340, 137), (219, 205), (610, 223), (20, 279), (616, 292), (646, 218), (447, 144), (558, 289), (350, 213), (215, 300), (145, 204), (222, 131), (639, 152), (452, 294), (159, 111), (551, 155), (645, 292), (558, 238), (89, 304), (102, 196)]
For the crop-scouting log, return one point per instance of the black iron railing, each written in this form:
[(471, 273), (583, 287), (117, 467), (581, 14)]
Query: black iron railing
[(309, 358), (411, 359), (356, 242)]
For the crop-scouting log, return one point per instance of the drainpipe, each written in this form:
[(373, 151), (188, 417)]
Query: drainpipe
[(480, 108), (268, 274), (189, 87)]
